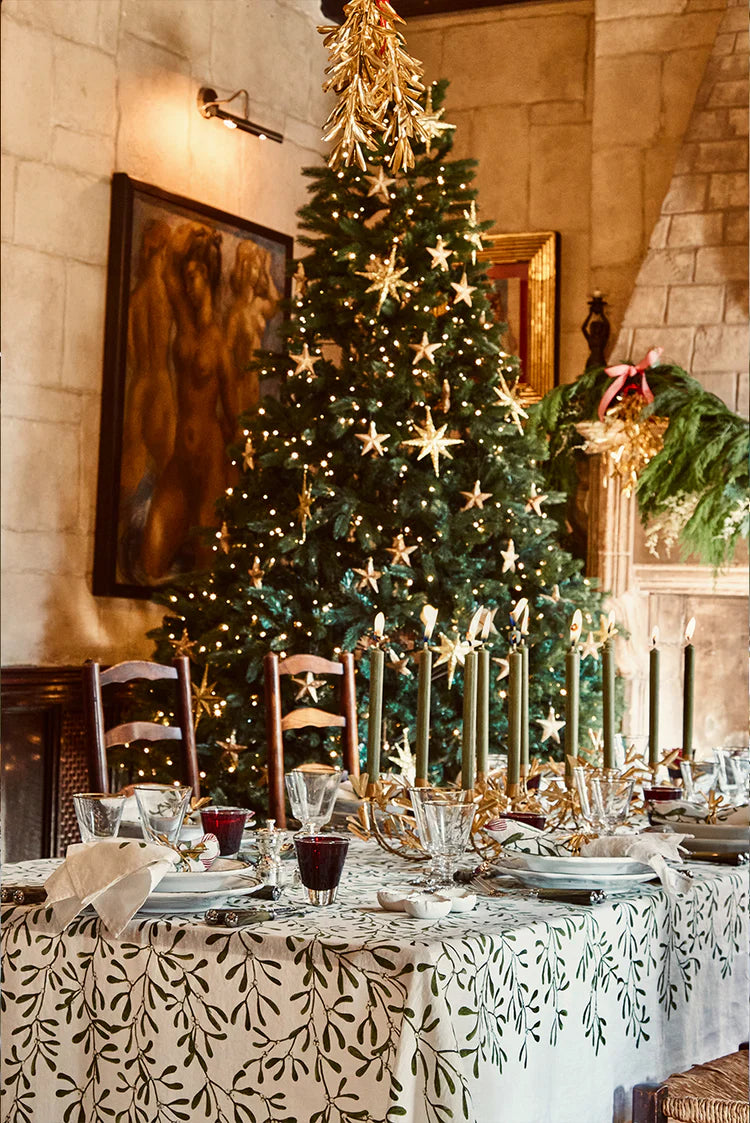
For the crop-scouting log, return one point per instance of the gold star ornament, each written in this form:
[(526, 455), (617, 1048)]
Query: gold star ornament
[(400, 551), (511, 404), (440, 254), (305, 504), (256, 574), (385, 278), (369, 576), (248, 456), (463, 290), (510, 557), (534, 502), (203, 698), (373, 441), (379, 184), (432, 442), (476, 497), (550, 726), (424, 350), (184, 645), (305, 361), (451, 652), (308, 686)]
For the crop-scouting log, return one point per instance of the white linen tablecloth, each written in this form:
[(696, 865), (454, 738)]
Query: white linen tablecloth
[(518, 1012)]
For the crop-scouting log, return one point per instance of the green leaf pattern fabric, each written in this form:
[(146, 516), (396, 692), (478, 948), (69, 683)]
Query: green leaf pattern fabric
[(521, 1010)]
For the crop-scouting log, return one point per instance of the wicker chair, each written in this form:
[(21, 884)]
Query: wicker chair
[(715, 1092)]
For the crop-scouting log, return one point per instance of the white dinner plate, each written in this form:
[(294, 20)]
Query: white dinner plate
[(225, 875), (579, 866), (193, 902), (571, 881)]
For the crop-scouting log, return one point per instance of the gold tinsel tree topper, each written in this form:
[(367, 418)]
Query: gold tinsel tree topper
[(378, 86)]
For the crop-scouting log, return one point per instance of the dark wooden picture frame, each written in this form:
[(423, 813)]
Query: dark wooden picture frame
[(192, 292), (524, 269)]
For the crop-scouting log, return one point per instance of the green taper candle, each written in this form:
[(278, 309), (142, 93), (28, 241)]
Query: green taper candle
[(653, 701), (524, 709), (469, 738), (688, 694), (572, 681), (515, 701), (375, 715), (423, 717), (483, 712)]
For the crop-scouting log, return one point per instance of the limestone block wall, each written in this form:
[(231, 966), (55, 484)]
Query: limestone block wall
[(90, 87), (691, 292), (576, 112)]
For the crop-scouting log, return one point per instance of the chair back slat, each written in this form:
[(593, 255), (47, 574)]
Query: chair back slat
[(306, 715), (137, 669), (99, 739), (141, 731), (299, 664)]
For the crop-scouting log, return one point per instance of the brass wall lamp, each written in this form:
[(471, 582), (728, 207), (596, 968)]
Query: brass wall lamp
[(210, 105)]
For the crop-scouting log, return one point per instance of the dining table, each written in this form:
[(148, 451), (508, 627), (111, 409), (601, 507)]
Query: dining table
[(519, 1011)]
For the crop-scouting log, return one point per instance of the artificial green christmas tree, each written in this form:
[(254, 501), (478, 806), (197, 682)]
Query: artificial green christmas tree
[(389, 471)]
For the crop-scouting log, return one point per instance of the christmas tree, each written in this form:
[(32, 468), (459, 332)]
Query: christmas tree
[(390, 470)]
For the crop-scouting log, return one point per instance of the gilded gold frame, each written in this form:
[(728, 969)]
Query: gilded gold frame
[(537, 256)]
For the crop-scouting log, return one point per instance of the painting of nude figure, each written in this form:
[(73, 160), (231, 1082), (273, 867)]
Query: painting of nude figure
[(192, 294)]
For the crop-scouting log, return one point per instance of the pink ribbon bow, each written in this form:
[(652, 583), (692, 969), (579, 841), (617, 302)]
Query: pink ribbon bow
[(623, 371)]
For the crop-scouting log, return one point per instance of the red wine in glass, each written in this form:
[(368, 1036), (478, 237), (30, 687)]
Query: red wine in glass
[(321, 860), (227, 823)]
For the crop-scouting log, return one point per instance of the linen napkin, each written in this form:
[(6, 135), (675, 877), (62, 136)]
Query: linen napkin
[(655, 850), (114, 875), (683, 811)]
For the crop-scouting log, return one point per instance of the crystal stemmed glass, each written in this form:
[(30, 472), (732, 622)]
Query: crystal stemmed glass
[(698, 777), (604, 800), (444, 821), (611, 796), (311, 797)]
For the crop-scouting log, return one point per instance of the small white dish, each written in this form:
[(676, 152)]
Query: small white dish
[(392, 900), (462, 900), (427, 906)]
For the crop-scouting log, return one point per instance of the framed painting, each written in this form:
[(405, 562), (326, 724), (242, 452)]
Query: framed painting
[(524, 272), (192, 293)]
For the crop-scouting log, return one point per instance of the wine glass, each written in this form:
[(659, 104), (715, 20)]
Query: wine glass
[(311, 796), (444, 821), (611, 797)]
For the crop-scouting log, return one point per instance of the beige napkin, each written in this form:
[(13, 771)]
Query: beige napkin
[(684, 811), (113, 875), (654, 850)]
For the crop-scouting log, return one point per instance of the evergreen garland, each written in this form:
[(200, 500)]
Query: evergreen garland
[(704, 458)]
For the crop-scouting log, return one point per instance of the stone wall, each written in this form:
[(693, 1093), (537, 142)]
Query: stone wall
[(576, 112), (90, 87)]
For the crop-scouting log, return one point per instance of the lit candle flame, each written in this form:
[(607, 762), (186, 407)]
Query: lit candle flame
[(524, 624), (610, 623), (689, 630), (576, 626), (486, 624), (379, 625), (428, 616), (655, 636), (476, 620), (517, 611)]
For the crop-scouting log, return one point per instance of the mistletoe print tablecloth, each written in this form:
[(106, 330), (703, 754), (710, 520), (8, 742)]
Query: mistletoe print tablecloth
[(520, 1011)]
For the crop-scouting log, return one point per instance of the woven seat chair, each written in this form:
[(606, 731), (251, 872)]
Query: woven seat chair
[(715, 1092)]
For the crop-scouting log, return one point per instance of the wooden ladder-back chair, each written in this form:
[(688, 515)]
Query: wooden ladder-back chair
[(302, 716), (100, 738)]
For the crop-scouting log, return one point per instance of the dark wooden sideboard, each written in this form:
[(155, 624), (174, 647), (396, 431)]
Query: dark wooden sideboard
[(43, 759)]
